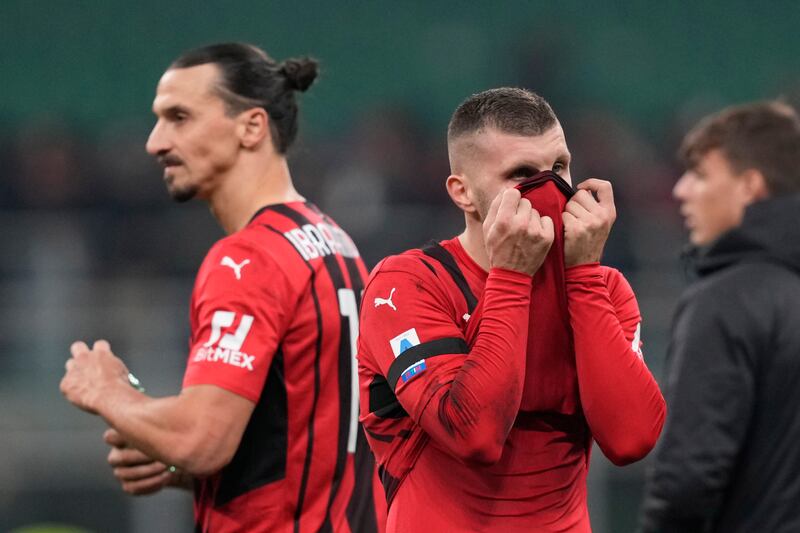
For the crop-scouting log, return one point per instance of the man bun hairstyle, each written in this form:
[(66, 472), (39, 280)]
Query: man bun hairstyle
[(251, 78), (508, 109), (764, 136), (300, 73)]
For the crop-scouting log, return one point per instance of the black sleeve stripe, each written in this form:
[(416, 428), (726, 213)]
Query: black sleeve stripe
[(437, 251), (450, 345)]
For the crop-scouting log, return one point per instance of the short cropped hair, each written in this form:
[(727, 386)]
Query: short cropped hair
[(250, 78), (507, 109), (764, 136)]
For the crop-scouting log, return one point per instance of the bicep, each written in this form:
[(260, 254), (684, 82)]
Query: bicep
[(237, 326), (218, 415), (416, 345)]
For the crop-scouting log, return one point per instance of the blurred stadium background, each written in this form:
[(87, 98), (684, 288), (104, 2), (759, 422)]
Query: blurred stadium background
[(92, 247)]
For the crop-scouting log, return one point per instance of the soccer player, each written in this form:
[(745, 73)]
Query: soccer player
[(488, 364), (729, 458), (265, 426)]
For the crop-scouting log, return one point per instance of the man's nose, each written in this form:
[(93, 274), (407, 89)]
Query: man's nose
[(157, 142)]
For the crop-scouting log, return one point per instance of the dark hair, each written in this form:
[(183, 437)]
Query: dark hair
[(250, 78), (764, 136), (508, 109)]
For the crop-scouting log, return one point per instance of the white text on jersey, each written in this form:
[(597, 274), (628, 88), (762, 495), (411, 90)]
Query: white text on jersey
[(320, 240), (225, 355)]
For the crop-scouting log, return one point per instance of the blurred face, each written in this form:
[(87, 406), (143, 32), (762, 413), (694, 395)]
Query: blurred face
[(494, 161), (193, 139), (712, 197)]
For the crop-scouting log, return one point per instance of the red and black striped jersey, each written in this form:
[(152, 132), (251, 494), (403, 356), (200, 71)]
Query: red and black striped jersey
[(480, 418), (274, 318)]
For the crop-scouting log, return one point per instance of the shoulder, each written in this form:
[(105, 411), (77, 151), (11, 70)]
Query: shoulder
[(247, 259), (408, 273), (735, 283), (745, 290), (411, 263)]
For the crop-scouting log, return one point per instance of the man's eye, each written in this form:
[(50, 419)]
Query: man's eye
[(559, 167), (523, 172)]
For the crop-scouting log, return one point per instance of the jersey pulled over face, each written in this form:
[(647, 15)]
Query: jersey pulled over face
[(434, 334), (498, 160), (274, 319)]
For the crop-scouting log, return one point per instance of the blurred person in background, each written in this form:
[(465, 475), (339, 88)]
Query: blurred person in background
[(729, 459), (265, 429), (489, 362)]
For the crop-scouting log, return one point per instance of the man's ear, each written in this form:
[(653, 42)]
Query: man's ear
[(754, 185), (458, 188), (253, 127)]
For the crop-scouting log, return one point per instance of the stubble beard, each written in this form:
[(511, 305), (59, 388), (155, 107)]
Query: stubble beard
[(180, 194)]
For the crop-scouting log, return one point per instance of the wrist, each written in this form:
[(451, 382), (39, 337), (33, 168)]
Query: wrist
[(106, 393), (583, 271)]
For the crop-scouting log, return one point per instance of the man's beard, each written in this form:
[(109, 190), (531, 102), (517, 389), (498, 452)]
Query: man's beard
[(482, 204), (180, 194)]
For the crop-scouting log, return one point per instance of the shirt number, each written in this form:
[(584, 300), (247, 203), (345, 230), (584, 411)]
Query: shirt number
[(349, 309)]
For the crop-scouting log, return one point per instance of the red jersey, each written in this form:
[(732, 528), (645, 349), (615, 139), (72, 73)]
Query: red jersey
[(274, 319), (441, 395)]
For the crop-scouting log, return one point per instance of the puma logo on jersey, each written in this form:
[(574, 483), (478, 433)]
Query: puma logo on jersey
[(386, 301), (237, 268)]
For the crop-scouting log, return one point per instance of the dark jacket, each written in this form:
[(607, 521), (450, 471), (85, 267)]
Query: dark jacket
[(729, 457)]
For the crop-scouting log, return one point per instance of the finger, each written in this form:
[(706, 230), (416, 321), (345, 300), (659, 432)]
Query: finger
[(78, 348), (508, 204), (524, 209), (587, 201), (111, 436), (577, 209), (548, 227), (102, 345), (146, 486), (602, 188), (127, 457), (569, 219), (136, 473)]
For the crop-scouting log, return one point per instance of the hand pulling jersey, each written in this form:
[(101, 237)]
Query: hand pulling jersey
[(274, 318), (453, 359)]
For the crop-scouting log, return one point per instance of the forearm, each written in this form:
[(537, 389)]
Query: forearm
[(165, 429), (620, 398), (472, 414)]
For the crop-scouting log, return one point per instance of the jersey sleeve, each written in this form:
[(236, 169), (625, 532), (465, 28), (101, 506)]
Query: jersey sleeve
[(464, 399), (240, 309), (621, 400)]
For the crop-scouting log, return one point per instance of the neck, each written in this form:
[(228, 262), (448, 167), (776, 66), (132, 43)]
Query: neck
[(249, 186), (472, 241)]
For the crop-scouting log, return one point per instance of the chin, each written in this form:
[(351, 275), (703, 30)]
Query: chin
[(182, 194)]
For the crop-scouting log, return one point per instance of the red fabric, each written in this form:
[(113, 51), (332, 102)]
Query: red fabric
[(621, 401), (286, 311), (539, 482)]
